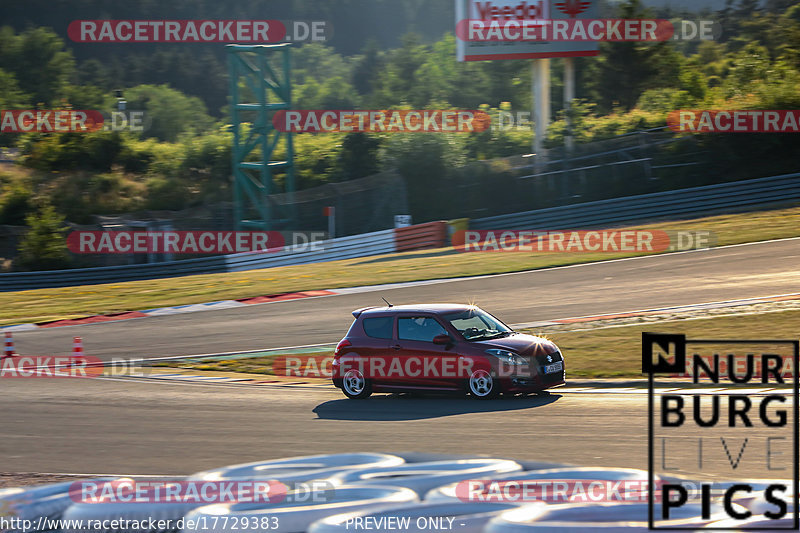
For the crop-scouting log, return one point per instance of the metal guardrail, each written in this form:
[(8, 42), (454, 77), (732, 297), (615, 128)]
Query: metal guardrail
[(379, 242), (697, 201), (19, 281), (430, 235)]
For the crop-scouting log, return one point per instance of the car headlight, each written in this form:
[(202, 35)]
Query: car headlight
[(508, 357)]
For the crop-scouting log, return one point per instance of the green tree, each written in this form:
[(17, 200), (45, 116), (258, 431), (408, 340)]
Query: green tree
[(85, 97), (693, 82), (397, 83), (16, 200), (74, 151), (749, 66), (44, 246), (307, 95), (319, 63), (359, 155), (38, 61), (367, 67), (625, 70), (338, 93), (426, 161), (11, 96), (170, 112)]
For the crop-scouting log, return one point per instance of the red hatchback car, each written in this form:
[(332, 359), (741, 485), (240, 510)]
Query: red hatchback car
[(441, 347)]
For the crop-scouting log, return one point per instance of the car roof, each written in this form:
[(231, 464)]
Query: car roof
[(414, 308)]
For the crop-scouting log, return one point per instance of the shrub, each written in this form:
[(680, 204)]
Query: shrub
[(16, 201), (44, 247)]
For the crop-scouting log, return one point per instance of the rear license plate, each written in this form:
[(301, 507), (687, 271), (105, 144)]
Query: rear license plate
[(555, 367)]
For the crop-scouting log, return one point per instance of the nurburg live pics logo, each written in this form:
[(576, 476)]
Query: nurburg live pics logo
[(744, 432)]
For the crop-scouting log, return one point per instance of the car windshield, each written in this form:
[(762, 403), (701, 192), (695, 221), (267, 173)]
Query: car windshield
[(476, 325)]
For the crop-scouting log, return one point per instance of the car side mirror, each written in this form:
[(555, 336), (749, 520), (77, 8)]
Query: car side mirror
[(442, 339)]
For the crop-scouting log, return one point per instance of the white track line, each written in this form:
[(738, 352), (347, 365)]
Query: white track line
[(204, 380)]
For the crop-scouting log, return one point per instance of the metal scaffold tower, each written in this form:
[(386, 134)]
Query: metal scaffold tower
[(260, 75)]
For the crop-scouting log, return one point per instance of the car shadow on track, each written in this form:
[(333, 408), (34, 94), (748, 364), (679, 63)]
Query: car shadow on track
[(417, 407)]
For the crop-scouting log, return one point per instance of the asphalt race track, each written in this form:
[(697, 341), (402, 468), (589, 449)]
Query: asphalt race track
[(110, 426), (761, 269), (118, 427)]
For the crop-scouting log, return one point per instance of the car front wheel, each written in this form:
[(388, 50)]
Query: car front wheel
[(355, 386), (482, 385)]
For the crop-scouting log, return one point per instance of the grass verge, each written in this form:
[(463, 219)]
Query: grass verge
[(256, 365), (617, 352), (74, 302)]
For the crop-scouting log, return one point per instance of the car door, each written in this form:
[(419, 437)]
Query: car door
[(375, 344), (425, 364)]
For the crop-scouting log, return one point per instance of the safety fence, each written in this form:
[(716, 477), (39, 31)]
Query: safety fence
[(694, 202)]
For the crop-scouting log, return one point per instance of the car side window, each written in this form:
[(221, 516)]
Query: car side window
[(422, 328), (379, 327)]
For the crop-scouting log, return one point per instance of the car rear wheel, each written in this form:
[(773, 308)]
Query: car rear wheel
[(355, 386), (482, 385)]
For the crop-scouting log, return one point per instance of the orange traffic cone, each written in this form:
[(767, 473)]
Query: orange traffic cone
[(8, 351), (77, 350)]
